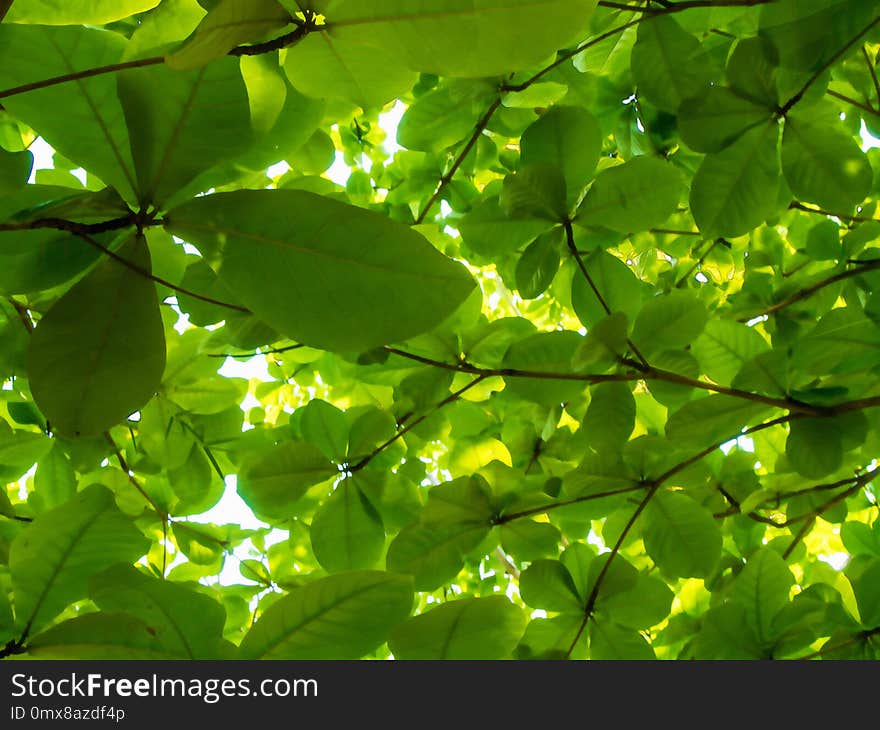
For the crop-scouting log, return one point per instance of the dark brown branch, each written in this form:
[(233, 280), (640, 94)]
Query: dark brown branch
[(835, 57), (459, 159), (796, 205), (61, 224), (288, 39), (248, 355), (267, 47), (544, 508), (809, 291), (451, 398), (76, 75), (853, 102)]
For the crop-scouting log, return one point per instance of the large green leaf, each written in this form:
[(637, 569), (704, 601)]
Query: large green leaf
[(635, 196), (669, 322), (271, 482), (230, 23), (814, 447), (469, 628), (618, 286), (712, 418), (455, 37), (107, 636), (736, 189), (717, 118), (52, 560), (823, 164), (385, 281), (762, 588), (187, 624), (669, 64), (341, 617), (681, 535), (347, 66), (86, 370), (610, 417), (92, 130), (182, 123), (75, 12), (346, 532), (724, 347), (569, 138)]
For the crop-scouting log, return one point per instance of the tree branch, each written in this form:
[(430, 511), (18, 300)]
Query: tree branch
[(459, 159), (809, 291), (835, 57), (452, 397)]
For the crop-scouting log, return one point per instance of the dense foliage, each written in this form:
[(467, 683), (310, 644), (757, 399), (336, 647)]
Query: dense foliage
[(583, 364)]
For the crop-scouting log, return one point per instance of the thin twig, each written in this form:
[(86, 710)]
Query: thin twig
[(835, 57), (452, 397), (459, 159)]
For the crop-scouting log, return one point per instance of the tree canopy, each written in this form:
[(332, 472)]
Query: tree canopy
[(579, 362)]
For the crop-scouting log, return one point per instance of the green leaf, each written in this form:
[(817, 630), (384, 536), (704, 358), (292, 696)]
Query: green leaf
[(102, 636), (568, 138), (814, 447), (86, 371), (717, 118), (724, 347), (620, 289), (762, 588), (468, 628), (341, 617), (681, 536), (459, 37), (864, 576), (725, 634), (608, 641), (752, 71), (457, 517), (187, 623), (52, 559), (668, 322), (610, 417), (323, 425), (529, 540), (539, 263), (182, 123), (443, 116), (55, 479), (350, 67), (272, 482), (669, 65), (735, 190), (286, 268), (645, 604), (535, 191), (823, 164), (75, 12), (92, 130), (15, 168), (229, 24), (549, 352), (346, 532), (547, 584), (487, 230), (713, 418), (635, 196)]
